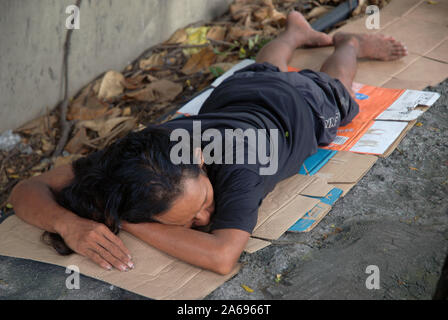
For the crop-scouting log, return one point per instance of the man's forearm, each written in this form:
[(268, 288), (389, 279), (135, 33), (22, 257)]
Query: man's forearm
[(195, 247), (34, 203)]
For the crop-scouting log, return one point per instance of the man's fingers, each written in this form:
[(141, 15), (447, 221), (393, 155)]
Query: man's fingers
[(116, 246), (95, 257), (107, 256)]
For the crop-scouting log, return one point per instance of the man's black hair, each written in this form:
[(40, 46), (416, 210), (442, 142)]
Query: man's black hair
[(133, 180)]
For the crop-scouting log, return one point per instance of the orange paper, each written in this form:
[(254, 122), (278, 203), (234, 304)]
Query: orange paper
[(372, 102)]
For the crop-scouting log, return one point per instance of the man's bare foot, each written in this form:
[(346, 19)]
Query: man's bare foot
[(372, 46), (304, 34)]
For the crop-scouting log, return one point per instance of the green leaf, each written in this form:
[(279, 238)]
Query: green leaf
[(251, 44), (216, 71), (242, 53)]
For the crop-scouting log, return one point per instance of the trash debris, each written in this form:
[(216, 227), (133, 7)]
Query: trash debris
[(8, 140), (278, 278), (248, 289)]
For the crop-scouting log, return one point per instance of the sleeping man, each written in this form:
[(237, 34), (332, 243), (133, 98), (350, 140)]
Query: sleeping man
[(196, 198)]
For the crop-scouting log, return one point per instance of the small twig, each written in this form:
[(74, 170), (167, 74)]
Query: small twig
[(181, 46), (65, 125), (220, 42)]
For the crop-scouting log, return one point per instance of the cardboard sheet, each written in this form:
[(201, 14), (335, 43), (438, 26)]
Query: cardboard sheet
[(290, 200), (315, 215), (316, 161), (366, 133), (156, 274), (379, 137), (404, 108), (345, 169)]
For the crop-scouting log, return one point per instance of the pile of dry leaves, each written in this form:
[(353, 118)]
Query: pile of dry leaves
[(152, 87)]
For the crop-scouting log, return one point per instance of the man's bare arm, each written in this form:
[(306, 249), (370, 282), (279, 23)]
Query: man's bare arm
[(217, 251), (34, 203)]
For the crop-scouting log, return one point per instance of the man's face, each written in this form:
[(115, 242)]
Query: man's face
[(194, 207)]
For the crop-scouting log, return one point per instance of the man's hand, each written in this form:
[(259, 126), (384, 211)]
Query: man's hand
[(95, 241), (34, 203)]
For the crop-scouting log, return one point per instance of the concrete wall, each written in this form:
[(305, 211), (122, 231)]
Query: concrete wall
[(112, 33)]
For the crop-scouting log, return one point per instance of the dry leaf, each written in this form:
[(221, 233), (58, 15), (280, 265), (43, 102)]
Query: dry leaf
[(46, 145), (269, 30), (278, 17), (86, 106), (317, 12), (104, 126), (140, 127), (76, 143), (196, 36), (155, 60), (42, 125), (199, 61), (236, 33), (126, 111), (111, 86), (241, 10), (107, 129), (261, 13), (217, 33), (274, 15), (79, 112), (134, 83), (362, 4), (178, 37), (160, 91), (151, 78)]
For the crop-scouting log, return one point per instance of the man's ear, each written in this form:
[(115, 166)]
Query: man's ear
[(199, 156)]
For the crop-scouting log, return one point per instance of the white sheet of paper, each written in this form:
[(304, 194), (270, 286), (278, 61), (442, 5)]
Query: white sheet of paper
[(403, 109), (379, 137), (193, 106)]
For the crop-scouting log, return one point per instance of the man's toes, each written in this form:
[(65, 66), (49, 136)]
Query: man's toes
[(328, 39), (325, 39)]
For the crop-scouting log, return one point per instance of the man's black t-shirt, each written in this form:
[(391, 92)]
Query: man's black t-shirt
[(259, 101)]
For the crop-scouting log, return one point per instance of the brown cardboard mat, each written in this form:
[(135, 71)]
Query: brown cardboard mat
[(156, 275)]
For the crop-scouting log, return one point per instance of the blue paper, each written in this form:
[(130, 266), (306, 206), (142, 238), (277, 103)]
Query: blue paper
[(316, 161), (313, 215)]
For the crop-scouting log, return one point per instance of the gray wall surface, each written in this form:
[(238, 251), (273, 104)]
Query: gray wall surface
[(112, 33)]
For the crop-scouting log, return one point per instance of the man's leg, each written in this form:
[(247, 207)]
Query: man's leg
[(348, 48), (342, 63), (298, 33)]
